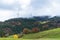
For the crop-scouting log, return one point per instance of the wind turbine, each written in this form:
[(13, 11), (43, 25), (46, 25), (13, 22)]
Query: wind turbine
[(18, 8), (18, 12)]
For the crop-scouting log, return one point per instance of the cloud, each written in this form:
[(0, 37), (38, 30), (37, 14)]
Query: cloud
[(7, 9), (24, 3), (47, 7), (10, 8), (25, 8), (28, 8), (9, 2), (6, 14)]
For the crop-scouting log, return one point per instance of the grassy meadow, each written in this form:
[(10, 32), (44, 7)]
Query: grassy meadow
[(54, 33)]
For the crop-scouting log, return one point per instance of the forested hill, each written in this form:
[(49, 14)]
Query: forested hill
[(29, 25)]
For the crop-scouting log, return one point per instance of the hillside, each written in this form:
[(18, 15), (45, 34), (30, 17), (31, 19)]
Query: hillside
[(28, 25), (54, 33)]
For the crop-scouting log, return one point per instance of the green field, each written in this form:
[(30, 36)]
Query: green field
[(53, 34), (29, 39)]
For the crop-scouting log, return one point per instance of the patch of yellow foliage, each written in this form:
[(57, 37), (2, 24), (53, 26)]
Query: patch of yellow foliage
[(15, 36)]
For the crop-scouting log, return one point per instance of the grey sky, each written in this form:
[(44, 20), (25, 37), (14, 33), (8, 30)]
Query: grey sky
[(28, 8)]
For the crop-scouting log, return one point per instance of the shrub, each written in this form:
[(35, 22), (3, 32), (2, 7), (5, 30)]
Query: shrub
[(26, 31), (34, 30)]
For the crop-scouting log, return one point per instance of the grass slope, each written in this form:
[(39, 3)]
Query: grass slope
[(54, 33)]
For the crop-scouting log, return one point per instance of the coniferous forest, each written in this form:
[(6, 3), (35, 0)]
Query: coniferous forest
[(28, 25)]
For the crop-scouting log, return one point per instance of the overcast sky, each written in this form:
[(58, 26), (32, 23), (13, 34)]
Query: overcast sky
[(28, 8)]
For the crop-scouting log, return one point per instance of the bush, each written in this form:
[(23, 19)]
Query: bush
[(26, 31), (34, 30)]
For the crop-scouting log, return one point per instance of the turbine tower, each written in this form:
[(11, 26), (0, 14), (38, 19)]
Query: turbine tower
[(18, 8), (18, 12)]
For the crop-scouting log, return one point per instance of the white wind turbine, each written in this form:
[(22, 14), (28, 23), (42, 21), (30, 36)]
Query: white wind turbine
[(17, 8)]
